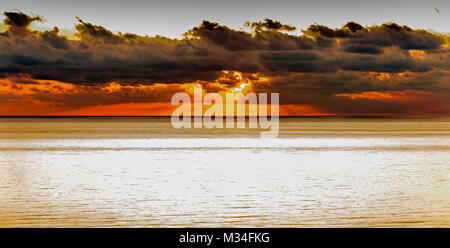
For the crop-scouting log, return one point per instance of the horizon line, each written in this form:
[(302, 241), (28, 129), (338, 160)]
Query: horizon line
[(280, 116)]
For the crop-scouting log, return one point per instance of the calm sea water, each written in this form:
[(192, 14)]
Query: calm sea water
[(140, 172)]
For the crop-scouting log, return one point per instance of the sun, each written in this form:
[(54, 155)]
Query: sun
[(243, 87)]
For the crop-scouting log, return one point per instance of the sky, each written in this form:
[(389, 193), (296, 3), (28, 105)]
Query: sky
[(129, 58), (173, 17)]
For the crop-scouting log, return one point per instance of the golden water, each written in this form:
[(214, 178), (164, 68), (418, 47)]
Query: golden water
[(140, 172)]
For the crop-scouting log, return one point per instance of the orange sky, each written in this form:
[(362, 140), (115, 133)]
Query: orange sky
[(51, 98), (54, 98)]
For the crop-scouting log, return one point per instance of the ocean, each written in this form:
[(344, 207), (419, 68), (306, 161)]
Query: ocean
[(141, 172)]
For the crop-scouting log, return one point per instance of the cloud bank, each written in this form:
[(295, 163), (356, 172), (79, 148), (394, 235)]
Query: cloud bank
[(335, 70)]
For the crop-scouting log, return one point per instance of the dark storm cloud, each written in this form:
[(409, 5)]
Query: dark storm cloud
[(261, 39), (326, 31), (363, 49), (88, 31), (269, 24), (332, 60), (54, 40), (385, 35), (18, 19)]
